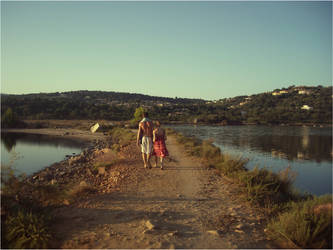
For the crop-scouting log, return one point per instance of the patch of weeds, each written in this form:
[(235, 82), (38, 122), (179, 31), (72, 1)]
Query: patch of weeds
[(25, 223), (210, 152), (264, 186), (231, 166), (26, 229), (302, 227)]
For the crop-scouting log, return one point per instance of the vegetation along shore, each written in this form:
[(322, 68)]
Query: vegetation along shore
[(104, 198)]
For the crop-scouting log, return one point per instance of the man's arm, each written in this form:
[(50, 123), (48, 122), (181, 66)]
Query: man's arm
[(138, 136)]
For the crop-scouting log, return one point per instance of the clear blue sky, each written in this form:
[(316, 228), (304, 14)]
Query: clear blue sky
[(208, 50)]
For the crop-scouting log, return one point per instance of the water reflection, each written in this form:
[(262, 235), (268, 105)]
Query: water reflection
[(291, 143), (28, 153), (9, 140), (307, 150)]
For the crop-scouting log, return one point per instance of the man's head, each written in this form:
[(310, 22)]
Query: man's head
[(145, 114)]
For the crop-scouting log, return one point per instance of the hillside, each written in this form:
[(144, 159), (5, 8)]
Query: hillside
[(293, 105)]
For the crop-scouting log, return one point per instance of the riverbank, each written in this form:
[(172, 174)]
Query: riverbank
[(108, 200), (86, 124), (104, 198)]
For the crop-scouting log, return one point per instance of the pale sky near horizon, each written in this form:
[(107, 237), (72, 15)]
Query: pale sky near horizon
[(207, 50)]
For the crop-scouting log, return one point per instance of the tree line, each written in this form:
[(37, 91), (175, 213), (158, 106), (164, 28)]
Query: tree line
[(263, 108)]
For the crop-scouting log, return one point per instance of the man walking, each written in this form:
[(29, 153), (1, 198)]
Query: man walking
[(145, 138)]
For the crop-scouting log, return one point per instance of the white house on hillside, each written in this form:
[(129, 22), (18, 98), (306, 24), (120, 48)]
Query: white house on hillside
[(304, 92), (306, 107)]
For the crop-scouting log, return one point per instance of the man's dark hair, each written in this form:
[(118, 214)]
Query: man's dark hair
[(145, 114)]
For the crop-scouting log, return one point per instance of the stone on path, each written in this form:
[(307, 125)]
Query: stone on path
[(83, 184), (213, 232), (94, 128), (150, 225), (240, 226), (101, 170)]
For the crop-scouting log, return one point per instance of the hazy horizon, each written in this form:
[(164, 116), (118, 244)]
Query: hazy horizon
[(207, 50)]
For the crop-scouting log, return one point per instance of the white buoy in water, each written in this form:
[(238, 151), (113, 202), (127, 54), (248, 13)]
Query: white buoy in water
[(94, 128)]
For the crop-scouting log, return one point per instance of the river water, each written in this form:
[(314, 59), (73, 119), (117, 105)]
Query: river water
[(306, 150), (29, 153)]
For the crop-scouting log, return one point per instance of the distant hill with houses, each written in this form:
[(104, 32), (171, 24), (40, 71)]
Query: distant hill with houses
[(292, 105)]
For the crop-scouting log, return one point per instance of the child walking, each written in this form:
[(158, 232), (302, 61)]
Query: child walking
[(159, 138)]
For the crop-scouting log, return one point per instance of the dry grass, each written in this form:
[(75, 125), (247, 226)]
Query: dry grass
[(301, 227)]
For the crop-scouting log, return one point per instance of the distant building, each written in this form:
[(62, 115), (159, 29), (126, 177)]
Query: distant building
[(304, 92), (306, 107), (281, 92)]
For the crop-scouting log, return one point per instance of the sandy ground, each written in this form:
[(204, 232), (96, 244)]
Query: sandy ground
[(183, 206)]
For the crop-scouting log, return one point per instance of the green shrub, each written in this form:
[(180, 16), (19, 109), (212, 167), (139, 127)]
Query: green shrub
[(302, 227), (26, 230), (122, 136), (10, 120), (138, 114)]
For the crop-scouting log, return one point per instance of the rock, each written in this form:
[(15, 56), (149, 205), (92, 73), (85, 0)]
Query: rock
[(150, 225), (240, 226), (115, 173), (83, 184), (148, 231), (101, 170), (53, 181), (172, 246), (173, 233), (88, 171), (214, 232), (239, 231)]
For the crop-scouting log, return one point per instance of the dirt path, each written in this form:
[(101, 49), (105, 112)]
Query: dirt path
[(183, 206)]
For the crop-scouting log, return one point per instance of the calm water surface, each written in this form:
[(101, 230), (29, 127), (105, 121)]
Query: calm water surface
[(307, 150), (29, 153)]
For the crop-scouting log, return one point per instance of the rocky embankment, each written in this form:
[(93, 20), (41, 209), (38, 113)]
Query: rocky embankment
[(97, 167)]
